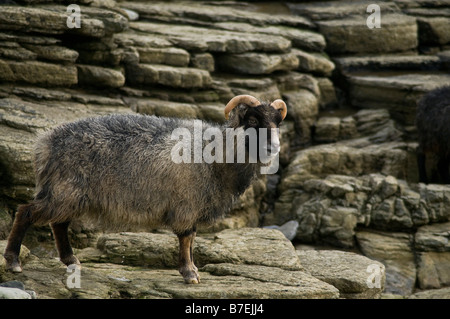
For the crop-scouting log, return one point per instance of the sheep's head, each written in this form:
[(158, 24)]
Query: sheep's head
[(247, 112)]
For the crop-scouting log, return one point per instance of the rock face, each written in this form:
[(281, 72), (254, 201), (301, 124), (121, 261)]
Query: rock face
[(232, 263), (347, 178), (349, 272)]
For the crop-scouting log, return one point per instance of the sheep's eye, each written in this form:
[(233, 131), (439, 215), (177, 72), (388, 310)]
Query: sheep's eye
[(252, 121)]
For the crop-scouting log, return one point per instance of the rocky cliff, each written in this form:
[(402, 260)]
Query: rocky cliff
[(348, 177)]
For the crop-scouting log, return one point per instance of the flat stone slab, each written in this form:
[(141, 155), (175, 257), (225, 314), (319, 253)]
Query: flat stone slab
[(193, 38), (303, 39), (396, 91), (354, 275), (266, 247), (258, 63), (388, 63), (435, 237), (443, 293), (52, 19), (351, 35), (190, 12), (320, 10), (178, 77), (39, 73), (394, 251), (234, 263)]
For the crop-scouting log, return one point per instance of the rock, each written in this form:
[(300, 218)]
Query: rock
[(296, 284), (302, 39), (337, 226), (327, 129), (16, 291), (436, 198), (204, 61), (433, 269), (394, 251), (163, 108), (259, 272), (13, 293), (139, 249), (321, 160), (349, 272), (199, 39), (147, 74), (40, 73), (341, 9), (314, 63), (292, 81), (90, 75), (13, 284), (433, 30), (351, 35), (257, 246), (444, 56), (328, 97), (398, 93), (387, 63), (264, 89), (213, 13), (32, 19), (303, 109), (132, 15), (433, 237), (288, 229), (443, 293), (257, 63), (53, 53), (168, 56), (5, 220), (51, 19)]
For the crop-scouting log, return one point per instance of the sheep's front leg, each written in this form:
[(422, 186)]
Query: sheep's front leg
[(186, 259)]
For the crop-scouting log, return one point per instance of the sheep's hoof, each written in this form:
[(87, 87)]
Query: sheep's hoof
[(191, 280), (191, 276), (13, 263), (15, 267), (71, 261), (195, 279)]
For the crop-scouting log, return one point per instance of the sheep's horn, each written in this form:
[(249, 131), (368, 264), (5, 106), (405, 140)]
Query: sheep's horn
[(280, 105), (240, 99)]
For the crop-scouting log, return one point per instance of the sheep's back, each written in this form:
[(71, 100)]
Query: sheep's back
[(117, 169), (433, 116)]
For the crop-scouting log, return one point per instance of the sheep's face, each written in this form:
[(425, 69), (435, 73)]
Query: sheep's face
[(265, 120)]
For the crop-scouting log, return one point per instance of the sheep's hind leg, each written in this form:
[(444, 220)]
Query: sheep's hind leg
[(60, 231), (443, 165), (186, 261), (22, 222)]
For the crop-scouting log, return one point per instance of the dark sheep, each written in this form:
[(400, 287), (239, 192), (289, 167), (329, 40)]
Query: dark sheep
[(433, 128), (118, 170)]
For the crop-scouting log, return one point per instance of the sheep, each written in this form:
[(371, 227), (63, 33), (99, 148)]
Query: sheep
[(432, 121), (117, 170)]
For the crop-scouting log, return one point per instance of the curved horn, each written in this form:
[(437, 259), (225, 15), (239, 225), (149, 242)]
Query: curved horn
[(280, 105), (240, 99)]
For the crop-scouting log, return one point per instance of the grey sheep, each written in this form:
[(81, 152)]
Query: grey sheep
[(117, 170), (433, 128)]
